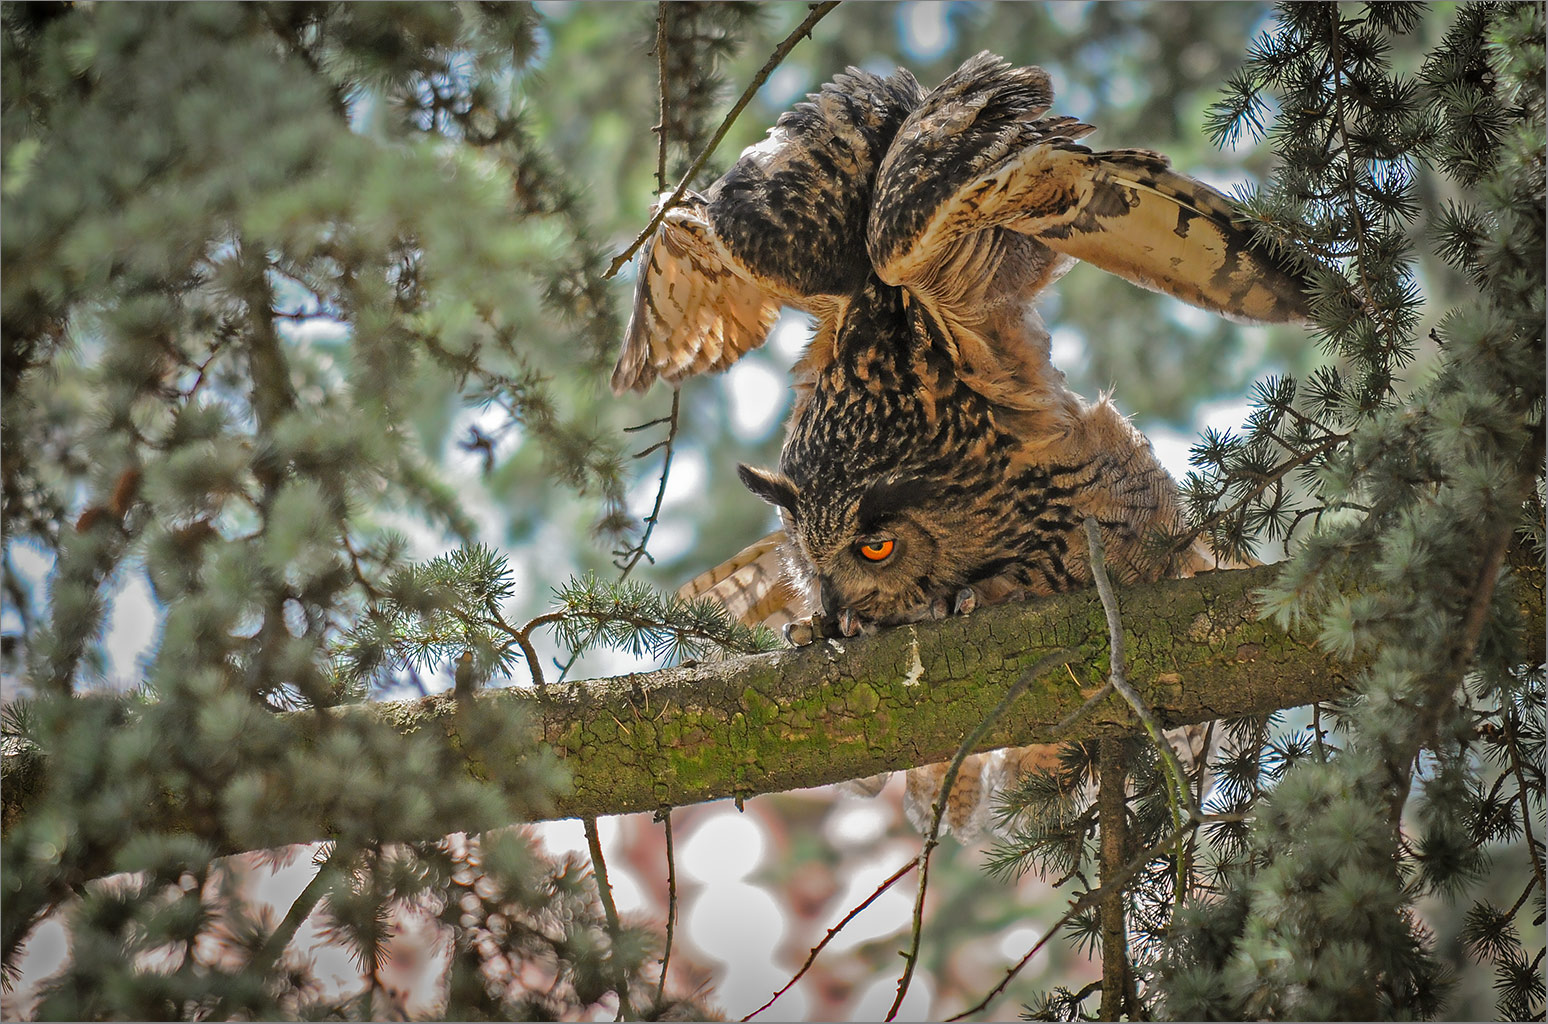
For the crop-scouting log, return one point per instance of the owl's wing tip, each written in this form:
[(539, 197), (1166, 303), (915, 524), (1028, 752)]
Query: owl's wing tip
[(624, 385), (633, 371)]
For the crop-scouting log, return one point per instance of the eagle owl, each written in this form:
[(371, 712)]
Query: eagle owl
[(934, 459)]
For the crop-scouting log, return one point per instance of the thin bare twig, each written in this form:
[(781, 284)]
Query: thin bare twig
[(1081, 712), (1317, 739), (661, 79), (811, 957), (1112, 819), (818, 12), (671, 921), (1080, 906), (614, 932), (372, 593), (1118, 674), (1521, 794), (1525, 894), (637, 552), (933, 838)]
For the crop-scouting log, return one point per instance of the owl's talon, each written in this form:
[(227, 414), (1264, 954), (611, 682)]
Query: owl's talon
[(848, 623), (967, 600), (939, 609)]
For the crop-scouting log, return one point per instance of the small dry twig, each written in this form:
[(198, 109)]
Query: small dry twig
[(614, 931), (933, 838), (1118, 673), (634, 554), (811, 957), (671, 921), (661, 80)]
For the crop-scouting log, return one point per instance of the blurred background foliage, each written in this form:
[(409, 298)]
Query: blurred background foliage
[(298, 293), (570, 95), (562, 103)]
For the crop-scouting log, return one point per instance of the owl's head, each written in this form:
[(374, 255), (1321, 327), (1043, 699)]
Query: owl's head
[(883, 549)]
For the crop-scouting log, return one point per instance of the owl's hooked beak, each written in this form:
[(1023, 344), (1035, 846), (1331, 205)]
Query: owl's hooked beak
[(828, 596), (845, 619)]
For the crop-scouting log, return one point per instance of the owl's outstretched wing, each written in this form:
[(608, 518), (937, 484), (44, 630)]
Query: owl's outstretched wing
[(784, 226), (980, 186), (695, 307)]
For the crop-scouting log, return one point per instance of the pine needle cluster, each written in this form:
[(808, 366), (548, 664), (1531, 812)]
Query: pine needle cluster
[(255, 257), (1319, 842), (1435, 485)]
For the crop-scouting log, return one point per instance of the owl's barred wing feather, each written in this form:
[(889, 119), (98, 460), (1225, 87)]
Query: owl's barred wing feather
[(1128, 213), (794, 207), (983, 114), (751, 585), (978, 159), (695, 309)]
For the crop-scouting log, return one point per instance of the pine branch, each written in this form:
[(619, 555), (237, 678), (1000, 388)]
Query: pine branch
[(301, 908), (842, 710)]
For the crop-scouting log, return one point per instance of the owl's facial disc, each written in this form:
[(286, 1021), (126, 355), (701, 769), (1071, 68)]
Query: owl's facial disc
[(862, 547), (870, 553)]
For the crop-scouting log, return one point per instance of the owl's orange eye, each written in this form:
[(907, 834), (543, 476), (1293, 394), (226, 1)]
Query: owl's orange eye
[(878, 550)]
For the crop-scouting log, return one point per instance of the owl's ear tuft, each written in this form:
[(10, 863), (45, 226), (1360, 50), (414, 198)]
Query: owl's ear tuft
[(774, 488)]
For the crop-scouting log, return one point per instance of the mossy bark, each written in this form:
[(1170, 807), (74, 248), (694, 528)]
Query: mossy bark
[(841, 710), (846, 709)]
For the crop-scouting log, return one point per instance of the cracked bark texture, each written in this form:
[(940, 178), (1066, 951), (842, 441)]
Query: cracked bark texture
[(840, 710)]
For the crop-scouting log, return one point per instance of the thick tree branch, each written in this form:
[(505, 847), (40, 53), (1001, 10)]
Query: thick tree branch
[(841, 710)]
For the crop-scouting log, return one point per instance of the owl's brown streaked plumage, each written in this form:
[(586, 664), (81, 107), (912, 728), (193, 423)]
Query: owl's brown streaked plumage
[(934, 457)]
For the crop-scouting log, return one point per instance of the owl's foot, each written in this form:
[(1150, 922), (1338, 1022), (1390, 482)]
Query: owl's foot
[(850, 624), (819, 627), (963, 604)]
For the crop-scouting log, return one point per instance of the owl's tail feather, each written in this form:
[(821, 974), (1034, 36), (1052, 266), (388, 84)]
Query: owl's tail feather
[(751, 584)]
